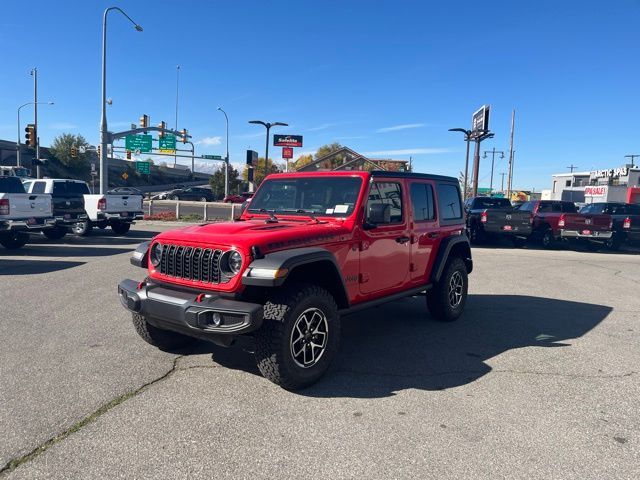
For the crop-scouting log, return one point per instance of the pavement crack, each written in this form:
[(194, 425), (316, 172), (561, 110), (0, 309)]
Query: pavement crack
[(14, 463)]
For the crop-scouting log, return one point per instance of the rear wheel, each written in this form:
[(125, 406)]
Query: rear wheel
[(548, 240), (614, 243), (14, 240), (120, 228), (518, 242), (55, 233), (300, 336), (447, 298), (162, 339), (82, 228)]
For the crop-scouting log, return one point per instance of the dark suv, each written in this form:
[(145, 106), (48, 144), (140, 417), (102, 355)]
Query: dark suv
[(193, 193)]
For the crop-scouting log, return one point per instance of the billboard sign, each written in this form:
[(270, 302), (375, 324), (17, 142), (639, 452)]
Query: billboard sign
[(287, 152), (596, 191), (480, 119), (287, 140)]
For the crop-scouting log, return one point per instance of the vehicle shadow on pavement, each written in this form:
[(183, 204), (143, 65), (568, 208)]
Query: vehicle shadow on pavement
[(42, 250), (33, 267), (399, 346)]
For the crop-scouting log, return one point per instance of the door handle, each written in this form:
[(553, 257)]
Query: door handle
[(433, 234), (402, 239)]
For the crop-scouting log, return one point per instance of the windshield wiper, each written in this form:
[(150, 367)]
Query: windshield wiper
[(271, 213), (310, 213)]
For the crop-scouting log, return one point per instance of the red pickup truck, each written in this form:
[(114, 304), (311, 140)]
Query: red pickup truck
[(545, 219), (310, 248), (593, 228)]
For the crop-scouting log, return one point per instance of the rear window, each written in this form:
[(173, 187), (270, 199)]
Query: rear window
[(568, 207), (449, 202), (39, 187), (11, 185), (69, 188), (489, 202)]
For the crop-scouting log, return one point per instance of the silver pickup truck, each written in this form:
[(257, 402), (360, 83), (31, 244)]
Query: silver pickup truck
[(21, 213)]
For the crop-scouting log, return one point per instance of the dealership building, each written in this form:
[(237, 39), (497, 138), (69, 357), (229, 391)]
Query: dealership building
[(620, 184)]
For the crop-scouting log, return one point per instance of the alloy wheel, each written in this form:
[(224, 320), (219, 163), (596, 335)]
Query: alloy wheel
[(309, 336), (456, 289)]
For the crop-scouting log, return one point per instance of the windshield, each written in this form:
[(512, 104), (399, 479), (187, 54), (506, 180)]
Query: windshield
[(326, 196)]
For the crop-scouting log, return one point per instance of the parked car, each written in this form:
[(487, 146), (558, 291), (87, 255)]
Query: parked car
[(310, 248), (68, 202), (626, 221), (192, 193), (76, 209), (21, 213), (494, 217), (544, 218), (239, 198), (125, 191)]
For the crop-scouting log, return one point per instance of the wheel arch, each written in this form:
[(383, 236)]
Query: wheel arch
[(456, 246)]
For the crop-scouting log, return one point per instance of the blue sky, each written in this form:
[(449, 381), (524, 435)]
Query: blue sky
[(387, 78)]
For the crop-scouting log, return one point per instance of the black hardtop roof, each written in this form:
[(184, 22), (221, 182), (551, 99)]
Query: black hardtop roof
[(423, 176)]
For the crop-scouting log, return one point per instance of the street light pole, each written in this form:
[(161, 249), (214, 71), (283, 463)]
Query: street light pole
[(34, 74), (104, 133), (226, 160), (467, 138), (493, 156), (268, 126)]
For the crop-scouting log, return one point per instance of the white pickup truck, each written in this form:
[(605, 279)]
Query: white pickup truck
[(21, 213), (115, 210)]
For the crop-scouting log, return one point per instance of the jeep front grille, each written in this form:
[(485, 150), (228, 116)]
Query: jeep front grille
[(191, 263)]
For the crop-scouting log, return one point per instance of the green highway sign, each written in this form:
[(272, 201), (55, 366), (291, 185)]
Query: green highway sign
[(138, 143), (167, 144), (212, 157), (143, 167)]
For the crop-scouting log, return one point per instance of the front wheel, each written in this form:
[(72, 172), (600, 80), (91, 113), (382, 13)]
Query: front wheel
[(14, 240), (447, 298), (300, 336), (82, 228), (162, 339), (120, 228)]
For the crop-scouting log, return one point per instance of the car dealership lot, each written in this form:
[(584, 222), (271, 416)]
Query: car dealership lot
[(538, 378)]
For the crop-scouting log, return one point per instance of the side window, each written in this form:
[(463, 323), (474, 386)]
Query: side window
[(387, 193), (39, 187), (544, 207), (567, 207), (27, 186), (526, 207), (422, 202), (449, 202)]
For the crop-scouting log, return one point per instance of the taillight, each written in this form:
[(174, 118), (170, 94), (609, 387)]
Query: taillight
[(531, 218), (561, 221), (483, 217), (102, 204), (627, 223), (5, 209)]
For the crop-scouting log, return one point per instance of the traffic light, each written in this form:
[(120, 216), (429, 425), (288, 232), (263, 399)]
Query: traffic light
[(30, 135), (74, 152), (144, 121), (162, 125), (184, 134), (128, 154), (99, 150)]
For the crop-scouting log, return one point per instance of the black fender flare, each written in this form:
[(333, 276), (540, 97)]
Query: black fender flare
[(287, 261), (459, 242), (140, 256)]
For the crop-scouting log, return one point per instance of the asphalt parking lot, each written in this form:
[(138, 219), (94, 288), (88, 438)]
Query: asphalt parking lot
[(538, 379)]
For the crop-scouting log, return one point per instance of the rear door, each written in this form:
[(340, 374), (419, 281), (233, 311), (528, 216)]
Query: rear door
[(385, 250), (425, 231)]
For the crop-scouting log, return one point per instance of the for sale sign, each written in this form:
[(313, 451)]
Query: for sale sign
[(596, 191), (287, 140), (287, 152)]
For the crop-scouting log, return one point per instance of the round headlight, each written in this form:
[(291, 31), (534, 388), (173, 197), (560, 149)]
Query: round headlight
[(156, 254), (235, 262)]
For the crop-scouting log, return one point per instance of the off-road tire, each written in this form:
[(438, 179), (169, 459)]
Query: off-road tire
[(120, 228), (518, 242), (439, 301), (283, 310), (614, 243), (165, 340), (476, 236), (55, 233), (82, 229), (14, 240)]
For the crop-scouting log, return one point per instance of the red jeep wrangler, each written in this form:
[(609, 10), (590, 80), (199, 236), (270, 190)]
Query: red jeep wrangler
[(310, 248)]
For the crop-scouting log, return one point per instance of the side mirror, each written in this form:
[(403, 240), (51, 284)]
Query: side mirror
[(377, 213)]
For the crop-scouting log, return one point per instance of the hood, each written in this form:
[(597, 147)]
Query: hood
[(256, 232)]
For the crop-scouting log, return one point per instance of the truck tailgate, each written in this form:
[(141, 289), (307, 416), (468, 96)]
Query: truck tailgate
[(595, 222), (123, 203), (27, 205), (508, 222)]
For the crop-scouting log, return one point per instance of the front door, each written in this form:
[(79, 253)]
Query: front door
[(385, 246)]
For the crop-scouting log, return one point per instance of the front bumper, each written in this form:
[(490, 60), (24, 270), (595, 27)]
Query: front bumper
[(120, 217), (188, 313), (591, 235), (26, 224)]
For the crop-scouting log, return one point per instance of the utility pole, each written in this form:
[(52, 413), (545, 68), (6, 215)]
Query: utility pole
[(511, 151), (502, 182), (226, 160), (175, 159), (493, 156), (572, 167), (632, 157), (467, 139), (34, 74)]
